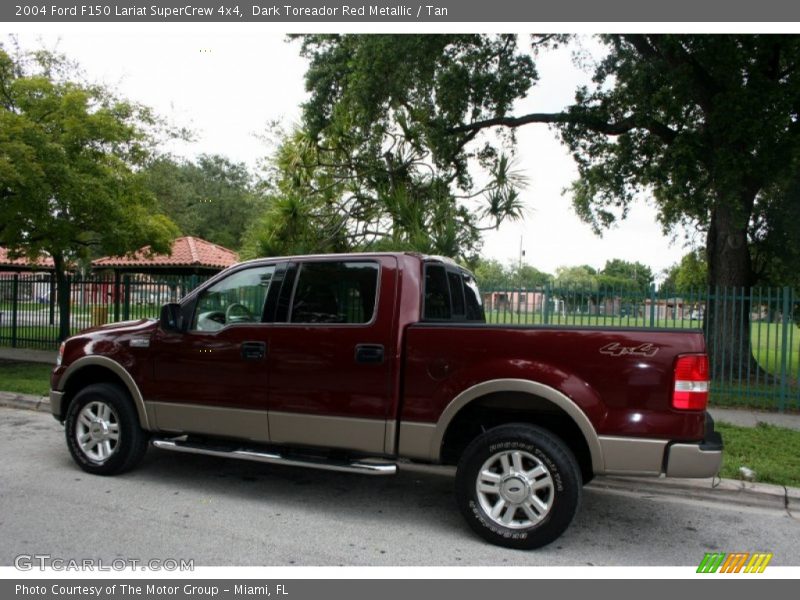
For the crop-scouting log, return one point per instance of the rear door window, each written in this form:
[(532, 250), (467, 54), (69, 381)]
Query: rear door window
[(335, 292)]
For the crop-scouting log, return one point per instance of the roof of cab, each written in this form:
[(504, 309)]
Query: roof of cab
[(351, 255)]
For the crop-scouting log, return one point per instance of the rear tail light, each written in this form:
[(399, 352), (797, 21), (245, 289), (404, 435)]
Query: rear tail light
[(691, 382)]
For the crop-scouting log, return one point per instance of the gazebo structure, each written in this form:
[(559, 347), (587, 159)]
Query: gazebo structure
[(188, 256), (147, 278)]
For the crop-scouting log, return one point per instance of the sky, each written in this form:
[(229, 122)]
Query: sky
[(228, 85)]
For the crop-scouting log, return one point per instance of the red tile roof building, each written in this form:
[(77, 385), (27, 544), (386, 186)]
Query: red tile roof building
[(188, 254), (43, 263)]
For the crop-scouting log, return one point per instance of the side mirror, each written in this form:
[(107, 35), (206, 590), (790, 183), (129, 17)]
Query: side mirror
[(171, 317)]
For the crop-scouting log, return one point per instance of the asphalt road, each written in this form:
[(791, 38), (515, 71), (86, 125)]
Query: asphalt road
[(227, 512)]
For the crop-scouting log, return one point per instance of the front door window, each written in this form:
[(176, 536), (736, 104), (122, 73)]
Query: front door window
[(239, 298)]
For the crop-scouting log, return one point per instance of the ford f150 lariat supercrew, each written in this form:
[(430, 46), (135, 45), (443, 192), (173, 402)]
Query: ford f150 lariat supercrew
[(356, 362)]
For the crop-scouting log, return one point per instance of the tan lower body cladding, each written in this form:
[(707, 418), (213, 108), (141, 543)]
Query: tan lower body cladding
[(631, 456), (419, 441), (363, 435), (210, 420)]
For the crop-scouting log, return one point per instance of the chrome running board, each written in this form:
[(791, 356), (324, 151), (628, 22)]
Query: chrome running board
[(357, 466)]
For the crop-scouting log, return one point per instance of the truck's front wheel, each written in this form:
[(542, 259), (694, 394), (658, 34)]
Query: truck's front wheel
[(102, 429), (518, 486)]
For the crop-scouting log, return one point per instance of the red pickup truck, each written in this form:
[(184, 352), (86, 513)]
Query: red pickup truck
[(355, 362)]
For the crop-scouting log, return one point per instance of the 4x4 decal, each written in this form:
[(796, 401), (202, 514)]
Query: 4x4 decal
[(617, 349)]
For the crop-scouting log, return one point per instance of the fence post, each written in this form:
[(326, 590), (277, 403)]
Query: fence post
[(14, 309), (68, 308), (52, 298), (786, 322), (116, 295), (126, 306), (652, 305), (546, 304)]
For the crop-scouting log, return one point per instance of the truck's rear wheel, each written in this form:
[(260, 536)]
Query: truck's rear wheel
[(518, 486), (102, 429)]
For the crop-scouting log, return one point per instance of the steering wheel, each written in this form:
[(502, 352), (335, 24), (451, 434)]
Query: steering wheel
[(244, 314)]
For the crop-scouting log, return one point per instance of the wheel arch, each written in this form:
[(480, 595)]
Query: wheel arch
[(97, 369), (513, 398)]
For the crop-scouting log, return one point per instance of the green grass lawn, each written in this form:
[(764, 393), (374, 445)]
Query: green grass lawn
[(772, 452), (25, 378)]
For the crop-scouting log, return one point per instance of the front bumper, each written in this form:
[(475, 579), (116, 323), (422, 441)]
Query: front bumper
[(702, 459), (56, 398)]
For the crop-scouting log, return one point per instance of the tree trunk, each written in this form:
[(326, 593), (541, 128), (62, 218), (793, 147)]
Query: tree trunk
[(727, 316), (63, 294)]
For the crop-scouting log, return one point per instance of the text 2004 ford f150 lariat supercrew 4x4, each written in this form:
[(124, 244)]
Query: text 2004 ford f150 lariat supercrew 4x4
[(353, 362)]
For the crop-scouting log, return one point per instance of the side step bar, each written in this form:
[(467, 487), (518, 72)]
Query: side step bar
[(367, 468)]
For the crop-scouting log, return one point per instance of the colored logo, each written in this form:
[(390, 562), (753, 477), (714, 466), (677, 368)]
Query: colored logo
[(735, 562)]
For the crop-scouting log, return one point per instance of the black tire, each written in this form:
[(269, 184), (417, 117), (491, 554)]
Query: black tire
[(548, 470), (118, 425)]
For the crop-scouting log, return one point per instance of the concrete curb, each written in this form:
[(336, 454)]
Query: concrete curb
[(745, 493), (25, 401)]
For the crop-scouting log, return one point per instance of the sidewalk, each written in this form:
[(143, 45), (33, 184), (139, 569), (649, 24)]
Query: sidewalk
[(751, 418), (27, 355)]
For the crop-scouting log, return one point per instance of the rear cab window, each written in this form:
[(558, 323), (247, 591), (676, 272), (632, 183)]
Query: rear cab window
[(451, 295)]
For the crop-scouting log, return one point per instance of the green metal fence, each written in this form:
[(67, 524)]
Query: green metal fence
[(752, 334), (29, 313)]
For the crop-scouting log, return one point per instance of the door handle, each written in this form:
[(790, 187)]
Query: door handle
[(369, 354), (254, 350)]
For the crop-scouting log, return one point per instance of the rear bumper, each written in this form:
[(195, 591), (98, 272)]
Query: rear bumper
[(702, 459)]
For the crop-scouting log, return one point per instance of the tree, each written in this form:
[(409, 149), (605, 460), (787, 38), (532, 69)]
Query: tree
[(775, 231), (339, 201), (529, 277), (210, 197), (631, 276), (581, 277), (577, 286), (491, 274), (360, 118), (690, 274), (307, 210), (709, 125), (68, 151)]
